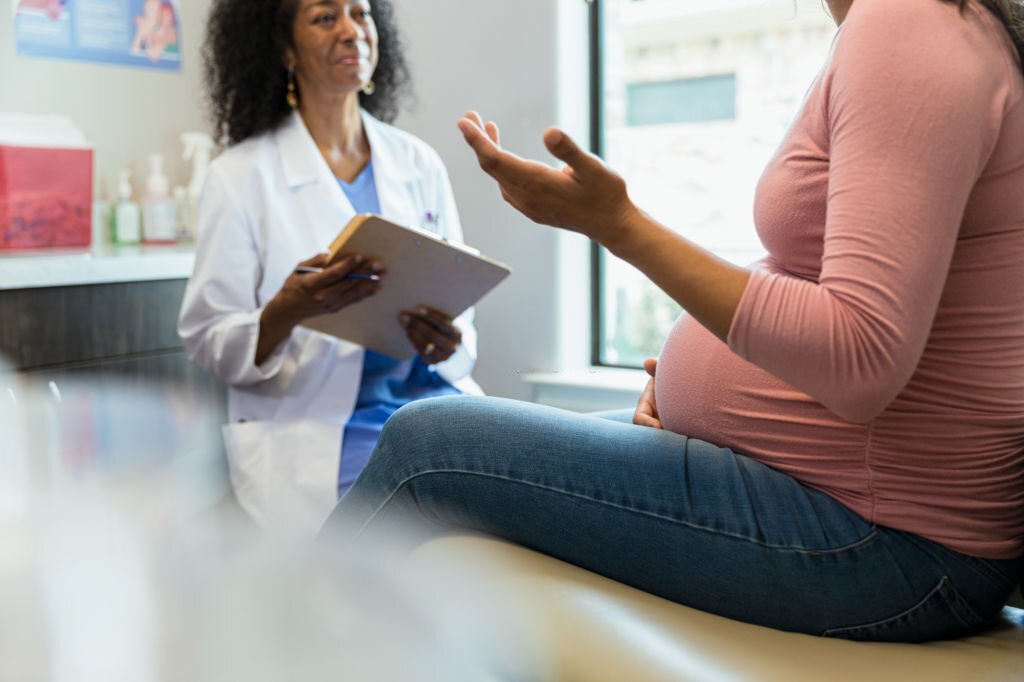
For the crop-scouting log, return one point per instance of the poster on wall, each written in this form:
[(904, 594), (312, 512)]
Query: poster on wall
[(144, 33)]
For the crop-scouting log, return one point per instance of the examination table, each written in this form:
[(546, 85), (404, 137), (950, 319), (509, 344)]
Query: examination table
[(550, 620)]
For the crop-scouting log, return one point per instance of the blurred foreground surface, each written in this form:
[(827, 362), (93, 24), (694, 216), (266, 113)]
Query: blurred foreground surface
[(123, 559)]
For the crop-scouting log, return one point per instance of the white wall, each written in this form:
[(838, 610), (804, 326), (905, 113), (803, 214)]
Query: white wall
[(510, 61), (127, 112)]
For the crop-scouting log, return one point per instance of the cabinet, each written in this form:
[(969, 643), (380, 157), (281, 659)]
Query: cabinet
[(123, 332)]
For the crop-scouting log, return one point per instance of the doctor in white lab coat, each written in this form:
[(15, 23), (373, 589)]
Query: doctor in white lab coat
[(273, 201)]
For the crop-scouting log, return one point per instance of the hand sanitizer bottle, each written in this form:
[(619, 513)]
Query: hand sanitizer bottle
[(126, 219), (159, 216)]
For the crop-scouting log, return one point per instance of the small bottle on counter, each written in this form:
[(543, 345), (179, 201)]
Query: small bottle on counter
[(126, 218), (159, 214), (102, 223)]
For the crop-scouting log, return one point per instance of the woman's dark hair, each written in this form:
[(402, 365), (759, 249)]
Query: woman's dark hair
[(1010, 12), (244, 57)]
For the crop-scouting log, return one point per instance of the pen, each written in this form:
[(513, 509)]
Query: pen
[(306, 270)]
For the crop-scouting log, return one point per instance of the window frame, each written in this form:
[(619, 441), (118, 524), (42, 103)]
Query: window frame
[(597, 252), (597, 146)]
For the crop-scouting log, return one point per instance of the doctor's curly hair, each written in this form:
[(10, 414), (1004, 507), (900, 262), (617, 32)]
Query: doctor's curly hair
[(244, 56)]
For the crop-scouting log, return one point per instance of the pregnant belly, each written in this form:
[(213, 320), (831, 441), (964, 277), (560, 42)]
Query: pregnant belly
[(705, 391)]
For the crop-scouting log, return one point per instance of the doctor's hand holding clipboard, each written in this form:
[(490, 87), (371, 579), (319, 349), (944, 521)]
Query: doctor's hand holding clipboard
[(313, 289), (431, 332)]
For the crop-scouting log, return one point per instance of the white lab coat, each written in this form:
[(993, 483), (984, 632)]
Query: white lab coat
[(269, 203)]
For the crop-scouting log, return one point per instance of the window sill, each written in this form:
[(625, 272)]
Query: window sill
[(587, 390)]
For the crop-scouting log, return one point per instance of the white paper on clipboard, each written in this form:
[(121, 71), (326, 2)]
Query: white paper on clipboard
[(422, 269)]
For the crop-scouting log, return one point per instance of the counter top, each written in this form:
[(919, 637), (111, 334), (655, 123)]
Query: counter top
[(104, 265)]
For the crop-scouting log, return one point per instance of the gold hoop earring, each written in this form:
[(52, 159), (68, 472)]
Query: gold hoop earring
[(369, 87), (291, 97)]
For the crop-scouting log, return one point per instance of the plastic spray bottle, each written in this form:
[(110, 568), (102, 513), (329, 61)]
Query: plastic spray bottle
[(181, 216), (159, 222), (198, 149)]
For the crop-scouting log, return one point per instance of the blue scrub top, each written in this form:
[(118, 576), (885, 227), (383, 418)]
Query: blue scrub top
[(386, 384)]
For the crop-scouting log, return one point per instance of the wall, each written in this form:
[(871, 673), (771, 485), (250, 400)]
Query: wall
[(127, 112), (510, 61)]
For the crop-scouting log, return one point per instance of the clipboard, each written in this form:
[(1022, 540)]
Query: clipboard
[(422, 269)]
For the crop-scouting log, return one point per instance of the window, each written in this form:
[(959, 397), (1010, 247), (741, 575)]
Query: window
[(691, 98)]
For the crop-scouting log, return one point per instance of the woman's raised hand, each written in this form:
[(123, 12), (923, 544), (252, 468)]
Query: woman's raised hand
[(586, 196)]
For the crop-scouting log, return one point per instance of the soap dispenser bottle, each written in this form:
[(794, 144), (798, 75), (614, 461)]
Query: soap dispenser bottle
[(126, 218), (159, 214)]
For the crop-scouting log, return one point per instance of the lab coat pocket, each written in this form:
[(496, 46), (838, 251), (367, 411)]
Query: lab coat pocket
[(285, 474)]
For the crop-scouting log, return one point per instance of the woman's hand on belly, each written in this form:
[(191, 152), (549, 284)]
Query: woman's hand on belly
[(646, 409)]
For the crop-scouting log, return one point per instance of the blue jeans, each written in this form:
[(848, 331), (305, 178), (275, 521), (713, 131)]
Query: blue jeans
[(680, 518)]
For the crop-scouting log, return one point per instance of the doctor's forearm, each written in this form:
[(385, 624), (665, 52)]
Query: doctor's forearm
[(275, 329)]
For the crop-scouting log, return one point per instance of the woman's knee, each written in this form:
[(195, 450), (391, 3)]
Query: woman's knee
[(421, 419), (453, 432), (417, 433)]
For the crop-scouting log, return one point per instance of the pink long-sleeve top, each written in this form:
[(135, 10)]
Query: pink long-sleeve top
[(878, 352)]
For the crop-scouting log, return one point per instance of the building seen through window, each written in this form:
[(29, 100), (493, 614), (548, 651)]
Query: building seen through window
[(697, 95)]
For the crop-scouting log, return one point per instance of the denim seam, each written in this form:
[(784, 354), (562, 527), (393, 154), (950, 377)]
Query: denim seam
[(961, 608), (799, 550), (883, 622)]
